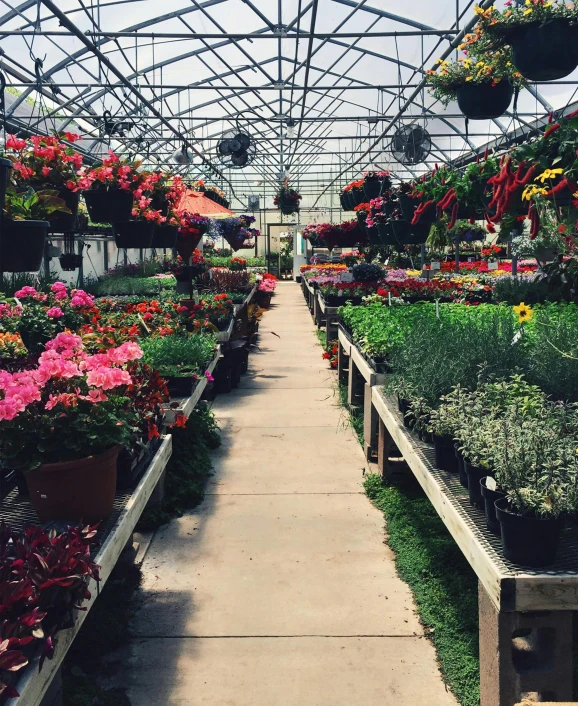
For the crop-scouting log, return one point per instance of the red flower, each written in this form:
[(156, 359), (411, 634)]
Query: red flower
[(153, 432)]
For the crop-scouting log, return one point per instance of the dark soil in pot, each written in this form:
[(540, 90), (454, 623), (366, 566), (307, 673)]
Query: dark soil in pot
[(475, 474), (490, 497), (445, 454), (545, 52), (528, 541)]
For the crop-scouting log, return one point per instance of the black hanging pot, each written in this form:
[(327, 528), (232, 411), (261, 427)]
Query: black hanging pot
[(420, 232), (165, 236), (490, 497), (160, 203), (288, 206), (108, 206), (179, 386), (408, 206), (133, 234), (406, 235), (386, 234), (545, 52), (361, 217), (445, 455), (5, 167), (358, 197), (372, 188), (70, 261), (483, 101), (350, 201), (65, 222), (529, 541), (373, 235), (22, 246), (343, 201)]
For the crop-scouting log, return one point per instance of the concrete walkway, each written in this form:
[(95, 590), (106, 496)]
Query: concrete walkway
[(279, 590)]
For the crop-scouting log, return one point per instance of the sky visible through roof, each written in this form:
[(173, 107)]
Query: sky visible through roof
[(342, 92)]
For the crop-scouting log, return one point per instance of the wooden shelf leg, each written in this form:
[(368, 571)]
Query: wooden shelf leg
[(342, 365), (524, 655), (355, 385), (384, 444), (370, 425)]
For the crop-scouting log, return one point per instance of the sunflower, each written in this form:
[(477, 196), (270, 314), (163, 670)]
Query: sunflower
[(524, 312)]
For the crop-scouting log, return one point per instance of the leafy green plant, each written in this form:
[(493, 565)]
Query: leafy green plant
[(179, 356), (31, 205), (121, 285)]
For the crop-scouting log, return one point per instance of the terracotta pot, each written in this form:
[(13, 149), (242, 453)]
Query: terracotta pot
[(75, 491)]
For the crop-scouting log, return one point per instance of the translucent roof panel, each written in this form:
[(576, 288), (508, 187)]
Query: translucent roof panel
[(348, 73)]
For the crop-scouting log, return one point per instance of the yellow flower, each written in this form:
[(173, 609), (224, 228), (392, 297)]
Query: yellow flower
[(469, 78), (524, 312), (548, 174), (528, 11), (478, 10), (480, 63), (533, 190)]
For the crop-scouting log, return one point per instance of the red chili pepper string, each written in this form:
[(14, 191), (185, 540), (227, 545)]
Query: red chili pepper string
[(454, 217), (551, 129)]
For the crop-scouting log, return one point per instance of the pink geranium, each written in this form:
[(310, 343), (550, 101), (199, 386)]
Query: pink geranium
[(55, 312)]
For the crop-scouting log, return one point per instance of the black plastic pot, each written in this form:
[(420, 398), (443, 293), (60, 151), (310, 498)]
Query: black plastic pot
[(373, 235), (358, 197), (179, 386), (361, 217), (490, 497), (165, 236), (288, 206), (133, 234), (70, 261), (22, 245), (408, 418), (65, 222), (461, 467), (406, 234), (545, 52), (475, 475), (344, 202), (5, 167), (482, 101), (386, 234), (108, 206), (372, 188), (529, 541), (158, 203), (445, 454), (408, 207)]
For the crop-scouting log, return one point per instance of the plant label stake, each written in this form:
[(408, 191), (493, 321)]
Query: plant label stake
[(492, 265), (435, 265), (437, 308), (389, 298), (196, 296)]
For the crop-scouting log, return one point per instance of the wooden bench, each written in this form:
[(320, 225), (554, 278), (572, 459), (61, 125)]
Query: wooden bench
[(525, 614), (360, 377), (33, 685), (326, 316)]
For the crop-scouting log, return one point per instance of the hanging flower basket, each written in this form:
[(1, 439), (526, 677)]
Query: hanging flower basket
[(343, 200), (22, 246), (545, 52), (373, 235), (81, 490), (409, 205), (70, 261), (5, 167), (165, 236), (288, 206), (235, 239), (386, 234), (65, 222), (484, 101), (108, 206), (186, 245), (159, 203), (133, 234), (405, 235), (372, 188)]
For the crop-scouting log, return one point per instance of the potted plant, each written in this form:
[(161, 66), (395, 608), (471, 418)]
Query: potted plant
[(237, 264), (64, 422), (25, 227), (482, 81), (543, 36), (49, 162), (109, 190), (179, 359), (139, 231), (192, 227), (287, 199), (376, 183)]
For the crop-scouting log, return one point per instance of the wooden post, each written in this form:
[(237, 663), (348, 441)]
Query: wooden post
[(370, 424)]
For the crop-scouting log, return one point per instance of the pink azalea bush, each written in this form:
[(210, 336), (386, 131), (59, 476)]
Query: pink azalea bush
[(71, 405), (267, 285)]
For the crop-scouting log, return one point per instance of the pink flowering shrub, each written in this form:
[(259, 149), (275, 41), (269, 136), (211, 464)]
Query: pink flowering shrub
[(39, 316), (71, 405), (267, 285)]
